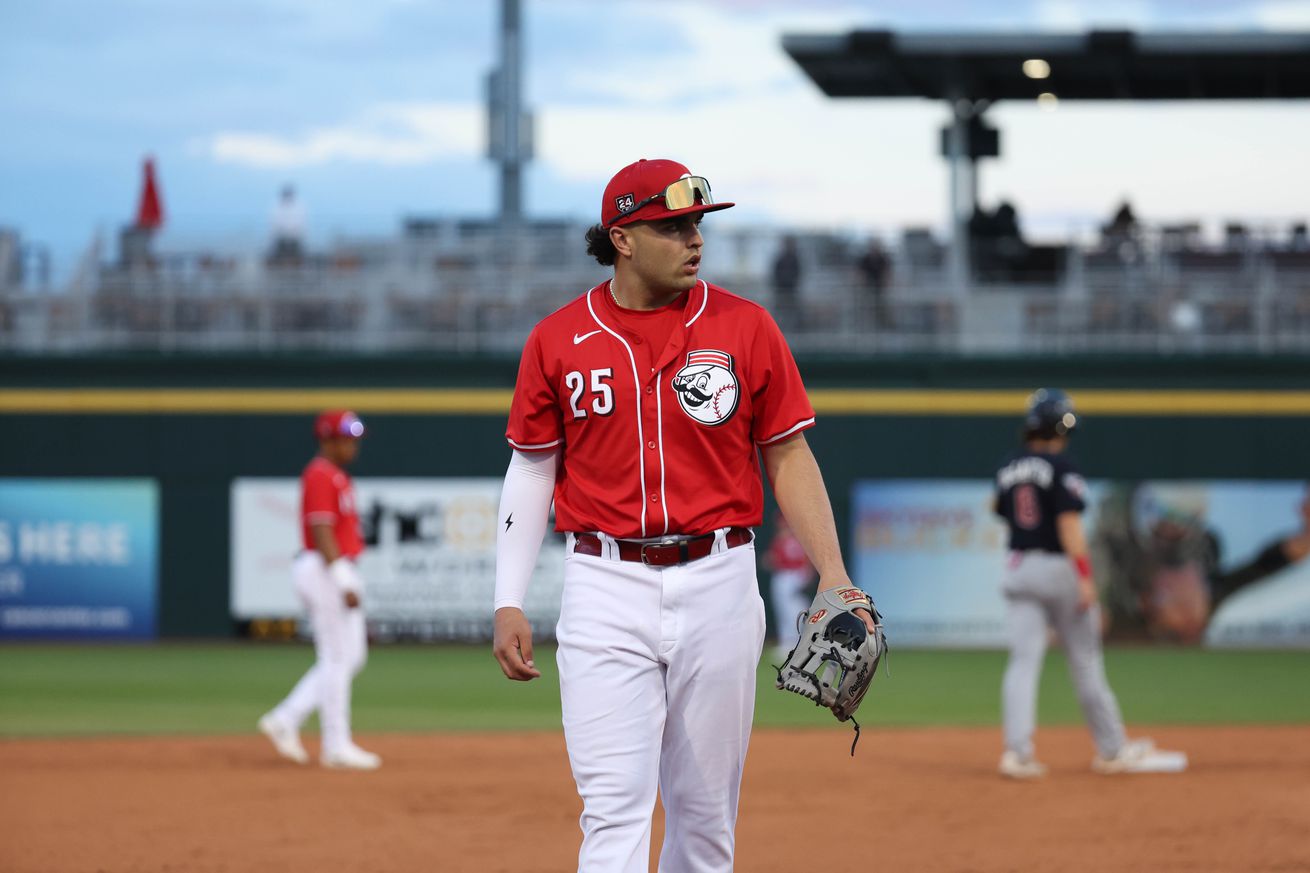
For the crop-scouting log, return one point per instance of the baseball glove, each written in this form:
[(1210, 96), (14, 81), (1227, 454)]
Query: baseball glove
[(836, 656)]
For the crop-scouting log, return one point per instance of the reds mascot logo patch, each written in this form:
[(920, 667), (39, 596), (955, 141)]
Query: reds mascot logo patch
[(707, 386)]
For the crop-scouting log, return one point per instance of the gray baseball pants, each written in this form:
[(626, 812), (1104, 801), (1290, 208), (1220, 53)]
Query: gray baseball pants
[(1041, 591)]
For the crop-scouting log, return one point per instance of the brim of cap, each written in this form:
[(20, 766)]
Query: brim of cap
[(643, 215)]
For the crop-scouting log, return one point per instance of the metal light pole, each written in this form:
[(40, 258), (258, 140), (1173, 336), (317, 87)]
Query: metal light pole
[(509, 125)]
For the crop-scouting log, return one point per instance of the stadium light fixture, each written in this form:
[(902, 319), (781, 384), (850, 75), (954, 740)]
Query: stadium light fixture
[(1048, 101), (1036, 68)]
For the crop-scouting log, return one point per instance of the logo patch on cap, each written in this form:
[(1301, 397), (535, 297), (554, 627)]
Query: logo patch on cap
[(627, 201)]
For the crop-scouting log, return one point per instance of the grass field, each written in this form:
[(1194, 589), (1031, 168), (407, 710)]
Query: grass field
[(172, 688)]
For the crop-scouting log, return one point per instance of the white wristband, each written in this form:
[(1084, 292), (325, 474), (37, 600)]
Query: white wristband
[(342, 571)]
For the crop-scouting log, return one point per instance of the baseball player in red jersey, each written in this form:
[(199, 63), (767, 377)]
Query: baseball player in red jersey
[(789, 587), (329, 585), (642, 408)]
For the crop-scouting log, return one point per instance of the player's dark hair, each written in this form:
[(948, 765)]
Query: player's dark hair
[(600, 247)]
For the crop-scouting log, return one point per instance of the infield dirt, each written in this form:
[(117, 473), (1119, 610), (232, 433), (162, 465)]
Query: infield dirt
[(923, 800)]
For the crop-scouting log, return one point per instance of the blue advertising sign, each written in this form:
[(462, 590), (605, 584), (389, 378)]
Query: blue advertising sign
[(1218, 563), (78, 558)]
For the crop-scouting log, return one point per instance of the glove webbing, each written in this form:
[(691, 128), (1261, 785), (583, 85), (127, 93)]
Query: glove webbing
[(831, 656)]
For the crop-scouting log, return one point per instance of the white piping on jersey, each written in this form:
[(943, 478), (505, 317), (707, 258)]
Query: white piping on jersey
[(636, 384), (786, 433), (659, 417), (703, 301), (534, 447)]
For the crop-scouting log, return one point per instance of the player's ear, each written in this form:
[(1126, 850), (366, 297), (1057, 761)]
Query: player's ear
[(622, 240)]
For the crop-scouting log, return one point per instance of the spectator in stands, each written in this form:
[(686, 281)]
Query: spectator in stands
[(1299, 242), (787, 281), (997, 247), (1120, 236), (288, 230), (874, 268)]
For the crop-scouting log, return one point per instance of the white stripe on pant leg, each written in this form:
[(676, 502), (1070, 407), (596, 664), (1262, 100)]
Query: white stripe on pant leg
[(710, 684), (612, 697)]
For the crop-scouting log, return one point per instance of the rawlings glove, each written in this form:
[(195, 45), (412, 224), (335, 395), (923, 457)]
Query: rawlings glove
[(836, 656)]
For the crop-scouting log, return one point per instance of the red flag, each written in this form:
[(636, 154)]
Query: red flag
[(150, 214)]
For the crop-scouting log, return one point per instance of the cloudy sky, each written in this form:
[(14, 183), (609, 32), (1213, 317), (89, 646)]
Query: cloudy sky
[(374, 110)]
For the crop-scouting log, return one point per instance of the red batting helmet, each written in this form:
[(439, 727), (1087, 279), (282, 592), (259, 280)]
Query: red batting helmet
[(338, 422), (648, 190)]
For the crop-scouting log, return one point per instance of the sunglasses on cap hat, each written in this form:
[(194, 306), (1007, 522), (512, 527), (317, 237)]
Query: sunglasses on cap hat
[(686, 192)]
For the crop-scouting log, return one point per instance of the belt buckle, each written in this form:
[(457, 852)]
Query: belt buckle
[(645, 559)]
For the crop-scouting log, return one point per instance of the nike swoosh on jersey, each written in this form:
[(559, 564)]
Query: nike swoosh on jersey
[(577, 338)]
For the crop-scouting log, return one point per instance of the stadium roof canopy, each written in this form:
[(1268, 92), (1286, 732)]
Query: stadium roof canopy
[(1099, 65)]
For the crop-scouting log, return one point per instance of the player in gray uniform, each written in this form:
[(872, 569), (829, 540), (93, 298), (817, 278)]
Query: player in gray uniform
[(1048, 583)]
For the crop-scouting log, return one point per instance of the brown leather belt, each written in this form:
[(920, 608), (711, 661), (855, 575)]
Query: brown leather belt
[(662, 554)]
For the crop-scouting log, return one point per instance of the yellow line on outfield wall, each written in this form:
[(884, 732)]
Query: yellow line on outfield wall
[(1091, 401), (266, 401), (489, 401)]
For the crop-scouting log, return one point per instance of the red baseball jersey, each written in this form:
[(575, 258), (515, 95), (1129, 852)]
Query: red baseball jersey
[(327, 496), (787, 553), (657, 440)]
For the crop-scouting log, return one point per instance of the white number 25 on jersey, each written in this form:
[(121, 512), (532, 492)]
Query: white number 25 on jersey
[(603, 396)]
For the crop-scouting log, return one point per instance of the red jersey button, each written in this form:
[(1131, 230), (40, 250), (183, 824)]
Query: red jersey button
[(649, 390), (650, 445), (654, 498)]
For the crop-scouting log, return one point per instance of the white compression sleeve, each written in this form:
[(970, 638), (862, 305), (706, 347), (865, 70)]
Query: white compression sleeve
[(524, 511)]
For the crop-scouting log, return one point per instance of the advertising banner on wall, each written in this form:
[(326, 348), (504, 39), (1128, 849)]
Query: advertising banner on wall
[(1220, 563), (78, 558), (428, 566)]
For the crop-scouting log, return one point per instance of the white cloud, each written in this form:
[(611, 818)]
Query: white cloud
[(712, 51), (391, 134), (1074, 15), (791, 154), (731, 105), (1284, 15)]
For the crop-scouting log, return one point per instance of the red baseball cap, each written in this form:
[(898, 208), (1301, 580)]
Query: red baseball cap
[(648, 190), (338, 422)]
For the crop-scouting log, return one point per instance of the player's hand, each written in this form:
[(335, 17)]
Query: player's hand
[(1087, 594), (845, 582), (513, 644), (352, 599)]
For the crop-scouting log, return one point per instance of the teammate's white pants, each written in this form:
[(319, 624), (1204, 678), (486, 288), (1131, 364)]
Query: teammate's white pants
[(340, 647), (787, 590), (657, 679), (1041, 590)]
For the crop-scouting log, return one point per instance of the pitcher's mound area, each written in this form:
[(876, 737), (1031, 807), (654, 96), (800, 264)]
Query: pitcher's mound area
[(912, 800)]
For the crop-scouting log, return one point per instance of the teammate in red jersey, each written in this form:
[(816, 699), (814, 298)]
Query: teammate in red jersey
[(791, 585), (329, 585), (641, 408)]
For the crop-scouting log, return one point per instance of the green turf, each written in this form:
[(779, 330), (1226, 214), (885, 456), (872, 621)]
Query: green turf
[(222, 688)]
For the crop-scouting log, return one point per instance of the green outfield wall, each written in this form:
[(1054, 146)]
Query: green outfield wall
[(193, 424)]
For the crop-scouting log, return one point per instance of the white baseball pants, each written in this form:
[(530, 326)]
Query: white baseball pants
[(340, 647), (788, 593), (657, 679)]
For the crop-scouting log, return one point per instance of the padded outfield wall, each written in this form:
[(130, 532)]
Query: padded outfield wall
[(194, 425)]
